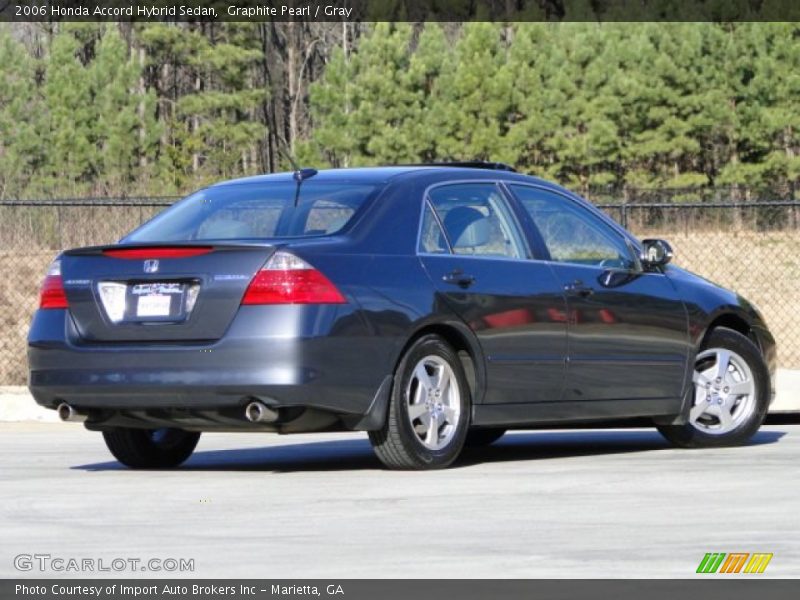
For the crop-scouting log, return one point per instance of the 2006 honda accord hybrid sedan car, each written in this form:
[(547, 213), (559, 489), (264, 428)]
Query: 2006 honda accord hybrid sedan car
[(431, 306)]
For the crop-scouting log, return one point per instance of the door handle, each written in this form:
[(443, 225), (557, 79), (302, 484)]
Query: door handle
[(459, 278), (577, 288)]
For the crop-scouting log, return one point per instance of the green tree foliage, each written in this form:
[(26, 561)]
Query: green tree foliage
[(645, 105), (479, 87), (331, 100), (124, 120), (223, 106), (156, 108), (21, 151), (71, 153)]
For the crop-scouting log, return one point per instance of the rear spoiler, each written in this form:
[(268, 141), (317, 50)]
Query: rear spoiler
[(164, 249)]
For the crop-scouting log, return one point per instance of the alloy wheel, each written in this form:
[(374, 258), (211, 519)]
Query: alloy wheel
[(433, 402), (725, 391)]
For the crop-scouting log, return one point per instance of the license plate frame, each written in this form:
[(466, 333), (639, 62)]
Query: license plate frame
[(145, 302)]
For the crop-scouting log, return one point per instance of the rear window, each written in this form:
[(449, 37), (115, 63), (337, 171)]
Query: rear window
[(253, 211)]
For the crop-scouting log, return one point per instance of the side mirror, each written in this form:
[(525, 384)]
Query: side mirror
[(656, 253)]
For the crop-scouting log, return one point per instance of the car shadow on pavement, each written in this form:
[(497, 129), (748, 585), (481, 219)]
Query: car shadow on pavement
[(355, 454), (539, 445)]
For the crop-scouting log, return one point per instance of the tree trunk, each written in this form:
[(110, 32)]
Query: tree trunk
[(141, 110), (196, 125)]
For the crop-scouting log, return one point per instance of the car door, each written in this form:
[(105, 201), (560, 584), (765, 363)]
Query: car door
[(476, 255), (627, 331)]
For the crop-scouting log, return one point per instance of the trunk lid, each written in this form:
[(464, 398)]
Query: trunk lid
[(158, 292)]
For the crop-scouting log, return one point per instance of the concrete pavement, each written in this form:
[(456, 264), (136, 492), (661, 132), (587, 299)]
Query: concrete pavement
[(617, 503)]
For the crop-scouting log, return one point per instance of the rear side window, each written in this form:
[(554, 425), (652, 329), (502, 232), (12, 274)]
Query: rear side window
[(431, 239), (477, 220), (254, 211)]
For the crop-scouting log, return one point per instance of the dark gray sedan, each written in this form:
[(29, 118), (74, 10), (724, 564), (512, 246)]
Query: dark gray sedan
[(432, 306)]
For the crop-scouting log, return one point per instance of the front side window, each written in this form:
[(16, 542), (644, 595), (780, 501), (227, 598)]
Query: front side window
[(477, 220), (572, 234), (256, 211)]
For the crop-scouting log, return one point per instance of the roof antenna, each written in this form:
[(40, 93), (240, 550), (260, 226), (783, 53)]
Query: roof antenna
[(300, 175)]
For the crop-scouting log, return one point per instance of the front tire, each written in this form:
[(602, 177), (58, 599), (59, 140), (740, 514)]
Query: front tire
[(151, 448), (429, 410), (730, 395)]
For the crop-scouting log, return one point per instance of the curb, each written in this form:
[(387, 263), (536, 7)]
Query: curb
[(16, 404), (787, 391)]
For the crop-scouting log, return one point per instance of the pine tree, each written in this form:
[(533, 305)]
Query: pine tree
[(535, 103), (21, 140), (114, 76), (383, 97), (431, 58), (71, 152), (223, 106), (332, 140), (474, 96)]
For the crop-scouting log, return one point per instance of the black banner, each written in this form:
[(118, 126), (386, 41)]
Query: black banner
[(400, 10)]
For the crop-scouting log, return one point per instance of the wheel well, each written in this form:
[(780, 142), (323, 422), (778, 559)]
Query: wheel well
[(735, 322), (462, 347)]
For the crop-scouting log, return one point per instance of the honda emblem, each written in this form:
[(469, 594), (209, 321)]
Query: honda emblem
[(150, 266)]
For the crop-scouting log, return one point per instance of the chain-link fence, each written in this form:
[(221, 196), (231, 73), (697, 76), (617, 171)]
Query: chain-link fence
[(31, 234), (747, 246)]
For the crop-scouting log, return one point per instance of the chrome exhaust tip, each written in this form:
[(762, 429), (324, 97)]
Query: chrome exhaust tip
[(67, 413), (258, 412)]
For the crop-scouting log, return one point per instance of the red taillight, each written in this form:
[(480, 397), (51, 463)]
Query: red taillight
[(157, 252), (287, 279), (52, 293)]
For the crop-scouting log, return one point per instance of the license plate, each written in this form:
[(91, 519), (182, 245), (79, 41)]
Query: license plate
[(153, 306), (157, 300)]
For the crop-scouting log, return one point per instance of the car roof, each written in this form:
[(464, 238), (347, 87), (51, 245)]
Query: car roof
[(359, 174), (384, 174)]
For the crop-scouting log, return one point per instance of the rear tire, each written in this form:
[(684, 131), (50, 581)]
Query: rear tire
[(151, 448), (478, 438), (429, 409), (730, 394)]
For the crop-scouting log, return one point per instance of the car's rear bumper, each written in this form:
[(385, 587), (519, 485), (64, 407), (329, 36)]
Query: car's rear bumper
[(279, 361)]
